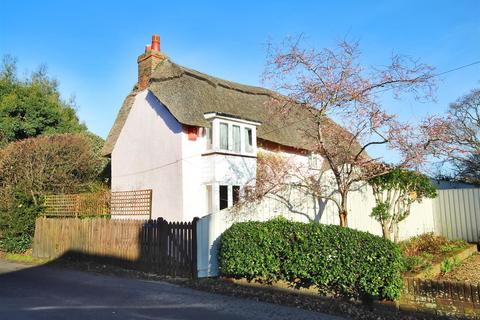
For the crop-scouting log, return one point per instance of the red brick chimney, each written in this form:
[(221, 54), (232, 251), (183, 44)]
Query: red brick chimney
[(148, 61)]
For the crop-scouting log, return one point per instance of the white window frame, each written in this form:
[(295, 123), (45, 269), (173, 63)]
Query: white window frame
[(314, 161), (217, 120), (209, 138), (245, 144)]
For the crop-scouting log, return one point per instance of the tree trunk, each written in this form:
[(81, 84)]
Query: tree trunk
[(343, 218), (385, 231), (395, 233), (342, 212)]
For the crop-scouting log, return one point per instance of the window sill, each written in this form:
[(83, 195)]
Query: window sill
[(229, 153)]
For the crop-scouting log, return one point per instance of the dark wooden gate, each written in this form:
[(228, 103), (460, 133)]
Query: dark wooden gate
[(169, 248)]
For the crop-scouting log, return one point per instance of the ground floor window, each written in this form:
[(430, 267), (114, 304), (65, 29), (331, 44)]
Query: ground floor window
[(228, 196), (223, 197)]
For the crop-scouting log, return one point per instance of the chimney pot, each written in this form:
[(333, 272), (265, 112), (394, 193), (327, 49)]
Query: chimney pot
[(148, 61), (156, 42)]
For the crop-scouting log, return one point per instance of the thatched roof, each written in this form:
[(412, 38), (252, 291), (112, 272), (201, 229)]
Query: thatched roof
[(118, 124), (188, 94)]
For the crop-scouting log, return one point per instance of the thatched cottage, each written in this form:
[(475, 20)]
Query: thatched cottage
[(193, 138)]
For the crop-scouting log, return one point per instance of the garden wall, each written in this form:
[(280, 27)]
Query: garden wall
[(441, 297)]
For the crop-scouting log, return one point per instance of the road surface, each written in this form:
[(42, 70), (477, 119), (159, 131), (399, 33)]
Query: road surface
[(46, 292)]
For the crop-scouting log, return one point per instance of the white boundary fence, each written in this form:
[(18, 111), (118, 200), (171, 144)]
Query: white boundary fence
[(455, 213), (298, 206)]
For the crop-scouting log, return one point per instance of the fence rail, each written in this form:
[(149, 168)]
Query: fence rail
[(167, 248), (100, 204)]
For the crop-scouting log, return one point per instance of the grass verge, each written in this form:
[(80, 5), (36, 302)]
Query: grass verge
[(25, 258)]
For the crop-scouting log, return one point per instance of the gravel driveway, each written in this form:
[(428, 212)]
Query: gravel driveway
[(47, 292), (468, 271)]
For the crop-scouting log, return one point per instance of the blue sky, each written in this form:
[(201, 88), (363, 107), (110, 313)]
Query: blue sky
[(91, 46)]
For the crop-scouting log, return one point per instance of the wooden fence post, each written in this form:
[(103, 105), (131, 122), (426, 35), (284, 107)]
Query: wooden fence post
[(194, 248), (163, 238)]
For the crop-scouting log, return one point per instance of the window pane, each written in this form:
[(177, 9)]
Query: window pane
[(209, 138), (235, 194), (313, 161), (224, 136), (223, 197), (236, 138), (248, 140)]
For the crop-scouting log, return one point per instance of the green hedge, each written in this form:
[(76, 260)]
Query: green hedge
[(17, 222), (335, 259)]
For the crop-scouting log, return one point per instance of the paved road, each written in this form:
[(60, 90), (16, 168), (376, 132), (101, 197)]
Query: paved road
[(55, 293)]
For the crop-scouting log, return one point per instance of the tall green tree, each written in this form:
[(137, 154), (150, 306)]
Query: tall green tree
[(32, 106), (394, 194), (44, 148)]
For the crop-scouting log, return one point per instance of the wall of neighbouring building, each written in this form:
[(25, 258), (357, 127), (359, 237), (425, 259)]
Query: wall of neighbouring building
[(457, 214)]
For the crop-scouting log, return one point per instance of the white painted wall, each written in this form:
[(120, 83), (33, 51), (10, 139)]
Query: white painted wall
[(214, 170), (195, 173), (147, 156)]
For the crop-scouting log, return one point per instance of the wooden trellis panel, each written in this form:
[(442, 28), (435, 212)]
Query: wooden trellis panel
[(100, 204), (131, 203)]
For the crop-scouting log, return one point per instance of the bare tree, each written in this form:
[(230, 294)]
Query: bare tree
[(461, 147), (332, 84)]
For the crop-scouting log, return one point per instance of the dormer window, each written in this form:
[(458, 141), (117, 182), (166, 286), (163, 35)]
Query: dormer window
[(231, 135)]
